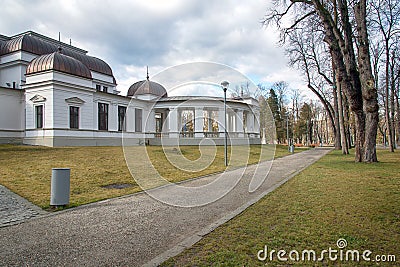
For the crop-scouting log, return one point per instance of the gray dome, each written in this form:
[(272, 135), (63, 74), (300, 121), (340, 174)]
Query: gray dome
[(29, 43), (59, 62), (147, 87)]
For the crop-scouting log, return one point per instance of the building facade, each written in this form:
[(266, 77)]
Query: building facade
[(55, 94)]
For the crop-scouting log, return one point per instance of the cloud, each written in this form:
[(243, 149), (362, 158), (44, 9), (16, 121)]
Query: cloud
[(132, 34)]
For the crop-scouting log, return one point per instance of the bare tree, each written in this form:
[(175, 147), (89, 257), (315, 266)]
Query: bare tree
[(305, 53), (354, 73), (386, 19), (281, 88)]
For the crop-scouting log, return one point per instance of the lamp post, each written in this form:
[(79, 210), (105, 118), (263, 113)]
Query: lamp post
[(287, 130), (225, 86)]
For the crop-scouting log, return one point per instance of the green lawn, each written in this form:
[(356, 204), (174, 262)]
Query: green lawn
[(334, 198), (26, 170)]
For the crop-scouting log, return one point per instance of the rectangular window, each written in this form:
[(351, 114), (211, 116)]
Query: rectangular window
[(159, 119), (98, 87), (138, 120), (74, 117), (103, 116), (105, 89), (39, 116), (121, 118)]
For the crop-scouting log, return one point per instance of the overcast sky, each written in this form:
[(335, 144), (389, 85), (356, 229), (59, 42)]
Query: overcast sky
[(129, 35)]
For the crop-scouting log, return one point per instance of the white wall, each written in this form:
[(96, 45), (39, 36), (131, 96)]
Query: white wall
[(102, 77), (113, 102), (33, 80), (61, 107), (10, 74), (13, 68), (12, 115), (47, 93)]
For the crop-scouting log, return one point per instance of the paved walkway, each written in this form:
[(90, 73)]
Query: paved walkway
[(15, 209), (136, 230)]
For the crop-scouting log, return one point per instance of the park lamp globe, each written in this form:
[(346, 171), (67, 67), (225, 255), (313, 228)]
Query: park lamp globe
[(225, 85)]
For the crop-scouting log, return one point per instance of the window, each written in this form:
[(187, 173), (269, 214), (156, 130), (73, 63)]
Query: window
[(74, 117), (121, 118), (105, 89), (159, 119), (98, 87), (39, 116), (187, 123), (138, 120), (103, 116)]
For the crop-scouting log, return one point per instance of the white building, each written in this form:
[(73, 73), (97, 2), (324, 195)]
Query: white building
[(54, 94)]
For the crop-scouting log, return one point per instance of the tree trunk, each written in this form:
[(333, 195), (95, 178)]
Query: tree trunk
[(398, 113), (369, 92), (345, 149), (387, 97), (392, 97), (359, 123), (342, 52), (347, 121), (336, 116)]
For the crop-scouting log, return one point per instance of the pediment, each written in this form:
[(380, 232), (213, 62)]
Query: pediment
[(74, 100), (38, 98)]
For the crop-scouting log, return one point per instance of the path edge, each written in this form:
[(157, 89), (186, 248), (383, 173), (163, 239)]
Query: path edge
[(193, 239)]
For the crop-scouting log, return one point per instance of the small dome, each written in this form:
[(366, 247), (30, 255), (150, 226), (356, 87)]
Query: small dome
[(59, 62), (147, 87)]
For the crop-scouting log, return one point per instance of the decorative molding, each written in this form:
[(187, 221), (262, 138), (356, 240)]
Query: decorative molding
[(74, 100), (37, 99)]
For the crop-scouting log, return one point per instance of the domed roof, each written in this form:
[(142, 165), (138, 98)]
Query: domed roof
[(147, 87), (59, 62), (29, 43)]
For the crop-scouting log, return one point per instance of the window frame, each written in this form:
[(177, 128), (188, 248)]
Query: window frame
[(74, 117), (138, 120), (102, 116), (122, 115), (37, 126)]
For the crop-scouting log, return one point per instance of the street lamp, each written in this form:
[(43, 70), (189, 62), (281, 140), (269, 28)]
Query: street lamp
[(225, 86), (287, 129)]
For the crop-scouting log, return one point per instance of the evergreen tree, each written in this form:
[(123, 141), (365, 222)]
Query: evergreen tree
[(303, 127), (273, 103)]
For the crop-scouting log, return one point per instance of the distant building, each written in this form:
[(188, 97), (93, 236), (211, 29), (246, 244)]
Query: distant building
[(54, 94)]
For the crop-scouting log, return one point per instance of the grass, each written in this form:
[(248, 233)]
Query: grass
[(26, 170), (334, 198)]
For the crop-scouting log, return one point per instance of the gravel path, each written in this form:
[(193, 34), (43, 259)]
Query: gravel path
[(137, 230)]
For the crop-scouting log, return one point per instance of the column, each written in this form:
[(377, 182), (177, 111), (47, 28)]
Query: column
[(210, 120), (250, 122), (239, 123), (231, 122), (221, 122), (130, 119), (173, 123), (257, 123), (150, 123), (112, 116), (198, 123)]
